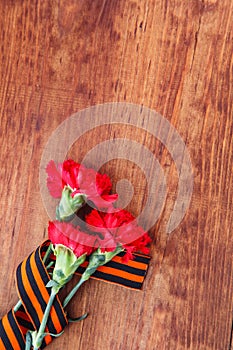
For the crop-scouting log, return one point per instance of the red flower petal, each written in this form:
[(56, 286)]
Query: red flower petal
[(54, 180), (70, 170), (64, 233), (103, 184)]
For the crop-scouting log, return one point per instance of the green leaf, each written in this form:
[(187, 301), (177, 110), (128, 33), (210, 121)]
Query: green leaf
[(77, 319), (51, 283), (54, 335)]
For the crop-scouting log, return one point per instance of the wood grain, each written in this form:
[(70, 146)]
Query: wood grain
[(172, 56)]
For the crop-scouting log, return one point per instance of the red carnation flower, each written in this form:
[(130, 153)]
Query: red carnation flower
[(69, 236), (119, 228), (82, 181)]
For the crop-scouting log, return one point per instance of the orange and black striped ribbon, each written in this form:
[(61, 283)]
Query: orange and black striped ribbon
[(32, 278), (129, 274)]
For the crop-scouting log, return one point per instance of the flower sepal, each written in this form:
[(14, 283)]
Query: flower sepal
[(66, 265), (69, 204), (99, 258)]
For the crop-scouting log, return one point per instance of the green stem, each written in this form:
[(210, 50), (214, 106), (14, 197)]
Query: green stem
[(50, 265), (41, 332), (47, 254), (96, 259), (73, 291), (17, 306), (28, 341)]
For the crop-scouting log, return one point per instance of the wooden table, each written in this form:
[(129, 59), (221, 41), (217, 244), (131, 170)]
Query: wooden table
[(174, 57)]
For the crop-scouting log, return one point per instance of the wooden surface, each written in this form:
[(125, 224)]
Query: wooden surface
[(172, 56)]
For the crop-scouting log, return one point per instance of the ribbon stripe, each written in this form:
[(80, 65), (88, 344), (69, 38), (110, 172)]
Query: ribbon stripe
[(57, 312), (26, 300), (38, 294), (118, 280), (5, 340), (11, 335), (130, 274), (126, 268), (24, 321), (17, 332)]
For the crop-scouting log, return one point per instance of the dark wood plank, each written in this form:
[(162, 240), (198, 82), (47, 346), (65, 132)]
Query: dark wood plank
[(172, 56)]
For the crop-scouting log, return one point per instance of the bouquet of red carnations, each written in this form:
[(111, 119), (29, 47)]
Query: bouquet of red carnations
[(89, 237)]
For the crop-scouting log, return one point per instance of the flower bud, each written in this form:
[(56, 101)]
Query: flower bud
[(66, 265), (69, 204)]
